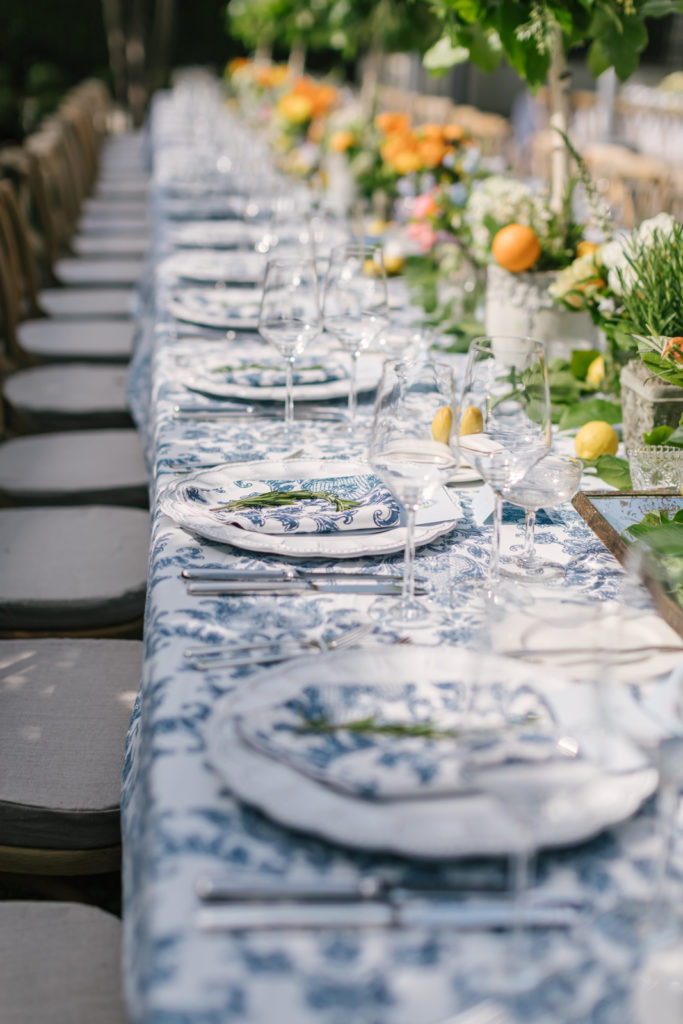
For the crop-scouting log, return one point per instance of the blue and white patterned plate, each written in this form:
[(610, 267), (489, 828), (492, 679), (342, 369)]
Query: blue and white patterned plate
[(228, 308), (202, 377), (209, 266), (271, 373), (439, 823), (190, 501)]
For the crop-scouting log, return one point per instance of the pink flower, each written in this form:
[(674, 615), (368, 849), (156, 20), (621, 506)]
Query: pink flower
[(424, 206), (423, 234)]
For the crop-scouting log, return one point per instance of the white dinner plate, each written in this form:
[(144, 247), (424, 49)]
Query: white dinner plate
[(202, 378), (444, 825), (225, 234), (226, 308), (189, 502), (209, 266)]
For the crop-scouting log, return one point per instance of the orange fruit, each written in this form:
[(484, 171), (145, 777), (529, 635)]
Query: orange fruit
[(516, 248)]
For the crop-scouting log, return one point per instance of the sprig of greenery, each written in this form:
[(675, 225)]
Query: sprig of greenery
[(273, 499), (259, 366), (652, 287), (424, 730)]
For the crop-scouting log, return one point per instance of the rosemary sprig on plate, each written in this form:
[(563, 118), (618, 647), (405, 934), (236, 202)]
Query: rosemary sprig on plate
[(423, 730), (273, 499), (261, 366)]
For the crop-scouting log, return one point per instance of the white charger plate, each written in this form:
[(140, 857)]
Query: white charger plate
[(444, 826), (200, 378), (226, 308), (188, 502)]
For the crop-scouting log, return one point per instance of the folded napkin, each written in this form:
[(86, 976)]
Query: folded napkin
[(268, 373), (345, 503), (395, 743)]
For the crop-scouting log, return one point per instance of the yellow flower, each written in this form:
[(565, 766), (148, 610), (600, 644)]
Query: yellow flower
[(295, 108), (341, 140)]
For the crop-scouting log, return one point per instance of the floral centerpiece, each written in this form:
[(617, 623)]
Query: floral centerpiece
[(299, 124)]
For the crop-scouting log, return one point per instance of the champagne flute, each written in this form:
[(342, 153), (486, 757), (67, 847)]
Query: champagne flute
[(504, 423), (405, 458), (552, 481), (355, 305), (289, 317)]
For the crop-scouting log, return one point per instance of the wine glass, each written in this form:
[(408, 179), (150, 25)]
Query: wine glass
[(552, 481), (355, 306), (289, 317), (504, 422), (408, 461)]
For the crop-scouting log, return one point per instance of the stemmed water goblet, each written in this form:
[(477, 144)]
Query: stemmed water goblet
[(289, 318), (552, 481), (408, 461), (504, 423), (355, 305)]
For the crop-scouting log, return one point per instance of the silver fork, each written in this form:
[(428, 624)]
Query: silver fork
[(263, 654)]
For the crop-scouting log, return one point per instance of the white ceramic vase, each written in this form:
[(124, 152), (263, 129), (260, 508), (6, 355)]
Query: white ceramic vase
[(520, 304)]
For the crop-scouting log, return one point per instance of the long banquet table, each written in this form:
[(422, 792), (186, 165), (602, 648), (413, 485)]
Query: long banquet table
[(179, 820)]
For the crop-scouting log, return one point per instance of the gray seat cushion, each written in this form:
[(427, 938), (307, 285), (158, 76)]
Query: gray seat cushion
[(70, 397), (104, 246), (88, 302), (72, 568), (66, 707), (109, 341), (60, 964), (74, 467), (96, 224), (86, 273)]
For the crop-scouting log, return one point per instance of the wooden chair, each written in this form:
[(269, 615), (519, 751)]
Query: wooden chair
[(636, 186), (51, 339), (60, 964)]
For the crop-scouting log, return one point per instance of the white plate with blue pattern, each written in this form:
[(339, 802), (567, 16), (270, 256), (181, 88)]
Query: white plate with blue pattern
[(209, 266), (223, 308), (434, 820), (192, 501), (219, 234)]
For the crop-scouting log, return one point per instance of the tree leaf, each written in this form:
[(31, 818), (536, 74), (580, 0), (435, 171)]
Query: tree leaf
[(612, 470), (444, 55), (593, 409), (660, 435), (581, 359)]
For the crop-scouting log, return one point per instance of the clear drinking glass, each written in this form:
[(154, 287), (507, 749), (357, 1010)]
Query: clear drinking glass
[(289, 317), (355, 306), (409, 462), (504, 422), (551, 482)]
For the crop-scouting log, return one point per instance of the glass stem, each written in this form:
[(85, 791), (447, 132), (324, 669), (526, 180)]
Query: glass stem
[(493, 578), (408, 592), (289, 394), (528, 554), (353, 373), (522, 867)]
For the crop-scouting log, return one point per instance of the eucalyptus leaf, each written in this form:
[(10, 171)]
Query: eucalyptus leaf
[(660, 435), (592, 409)]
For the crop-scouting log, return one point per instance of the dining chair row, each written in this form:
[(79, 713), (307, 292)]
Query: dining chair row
[(73, 561)]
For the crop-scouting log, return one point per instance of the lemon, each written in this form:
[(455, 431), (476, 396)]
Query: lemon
[(585, 248), (441, 424), (370, 268), (596, 372), (472, 421), (596, 438), (393, 264)]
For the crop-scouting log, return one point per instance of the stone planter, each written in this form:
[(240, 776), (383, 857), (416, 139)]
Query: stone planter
[(520, 304), (647, 401)]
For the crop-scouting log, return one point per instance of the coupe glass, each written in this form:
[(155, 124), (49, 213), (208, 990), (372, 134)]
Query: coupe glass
[(289, 317), (409, 462), (355, 307), (551, 482), (504, 422)]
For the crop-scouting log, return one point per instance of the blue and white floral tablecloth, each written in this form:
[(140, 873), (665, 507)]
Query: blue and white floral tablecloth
[(179, 821)]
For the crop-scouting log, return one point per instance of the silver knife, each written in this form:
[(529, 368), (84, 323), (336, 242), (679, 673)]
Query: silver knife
[(374, 586), (228, 575), (462, 915)]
